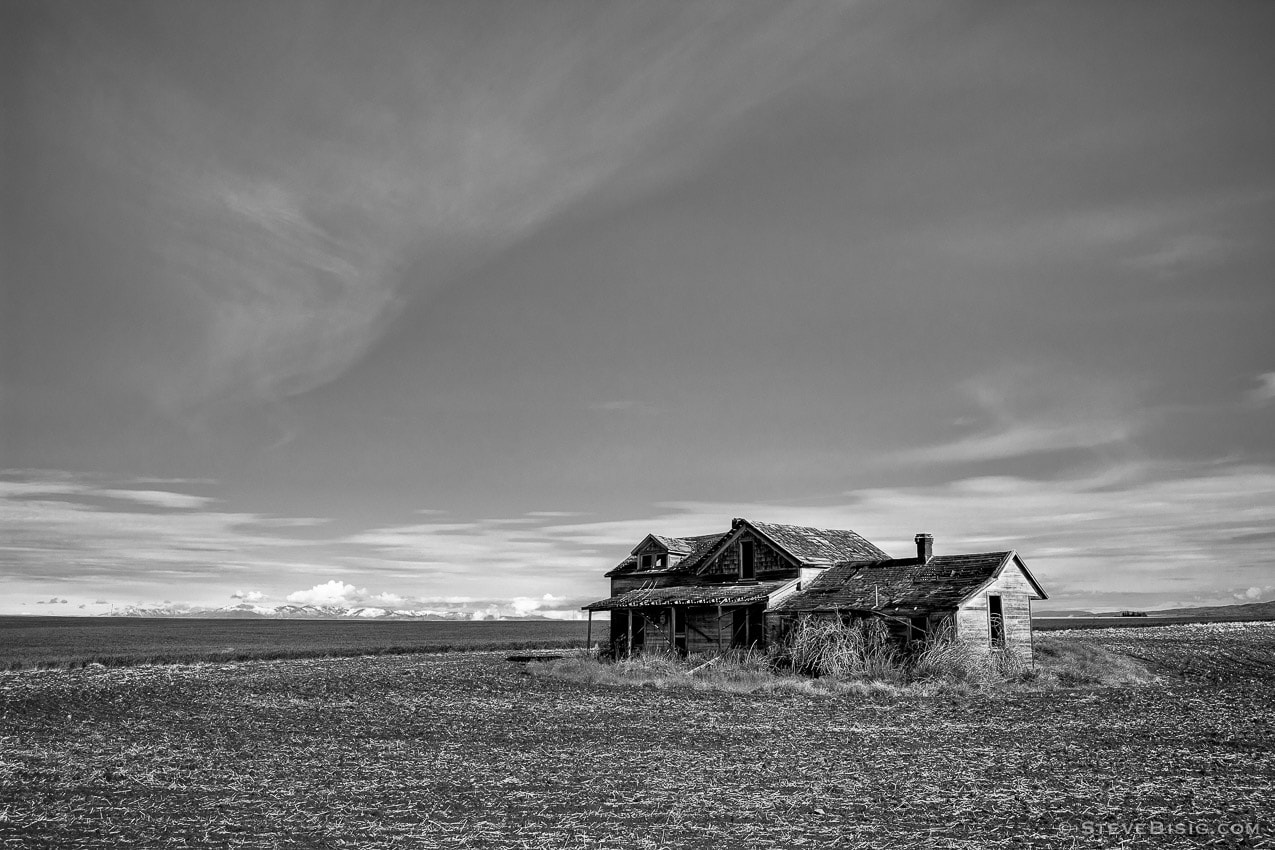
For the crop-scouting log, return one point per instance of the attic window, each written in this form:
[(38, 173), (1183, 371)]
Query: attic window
[(656, 562)]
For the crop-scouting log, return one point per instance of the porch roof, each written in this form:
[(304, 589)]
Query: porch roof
[(712, 594)]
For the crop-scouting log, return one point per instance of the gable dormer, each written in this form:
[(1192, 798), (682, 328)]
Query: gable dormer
[(656, 553)]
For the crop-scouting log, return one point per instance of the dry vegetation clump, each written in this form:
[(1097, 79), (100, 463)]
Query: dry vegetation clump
[(830, 648), (863, 650)]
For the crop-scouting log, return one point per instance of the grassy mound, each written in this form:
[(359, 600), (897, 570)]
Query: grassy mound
[(1070, 663)]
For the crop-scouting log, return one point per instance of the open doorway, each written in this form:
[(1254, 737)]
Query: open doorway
[(747, 625), (677, 629), (996, 621)]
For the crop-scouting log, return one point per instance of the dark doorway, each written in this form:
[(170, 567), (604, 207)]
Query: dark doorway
[(746, 627), (747, 567), (679, 630), (996, 621), (917, 632)]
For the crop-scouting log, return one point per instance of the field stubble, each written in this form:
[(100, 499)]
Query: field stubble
[(464, 751)]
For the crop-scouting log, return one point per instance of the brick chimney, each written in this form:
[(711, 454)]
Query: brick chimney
[(924, 548)]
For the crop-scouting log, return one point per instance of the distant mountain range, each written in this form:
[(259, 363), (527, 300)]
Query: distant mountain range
[(250, 611), (1247, 611)]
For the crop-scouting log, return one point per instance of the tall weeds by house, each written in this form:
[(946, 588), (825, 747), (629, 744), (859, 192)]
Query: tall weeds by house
[(829, 647), (826, 655)]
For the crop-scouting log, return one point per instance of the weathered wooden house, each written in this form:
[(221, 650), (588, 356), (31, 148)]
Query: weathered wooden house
[(742, 587)]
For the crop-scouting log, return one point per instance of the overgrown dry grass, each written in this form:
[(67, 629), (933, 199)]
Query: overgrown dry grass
[(829, 657), (733, 672), (1071, 663)]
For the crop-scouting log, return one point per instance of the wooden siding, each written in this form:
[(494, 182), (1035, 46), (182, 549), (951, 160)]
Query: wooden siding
[(1016, 593), (701, 630)]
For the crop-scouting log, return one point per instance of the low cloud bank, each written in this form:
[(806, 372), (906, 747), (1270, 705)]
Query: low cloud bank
[(334, 592)]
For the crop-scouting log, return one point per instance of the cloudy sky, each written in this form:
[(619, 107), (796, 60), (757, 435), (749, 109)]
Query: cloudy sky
[(451, 303)]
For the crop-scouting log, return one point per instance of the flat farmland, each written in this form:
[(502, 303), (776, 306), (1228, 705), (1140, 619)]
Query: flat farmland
[(27, 642), (1049, 624), (468, 750)]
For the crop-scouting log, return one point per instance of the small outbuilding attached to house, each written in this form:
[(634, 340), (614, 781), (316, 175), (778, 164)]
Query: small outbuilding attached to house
[(744, 587)]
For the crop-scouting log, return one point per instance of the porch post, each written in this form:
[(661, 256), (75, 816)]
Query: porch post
[(630, 652), (719, 628), (672, 615), (588, 633)]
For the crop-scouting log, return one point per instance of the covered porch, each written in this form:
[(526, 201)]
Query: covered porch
[(687, 620)]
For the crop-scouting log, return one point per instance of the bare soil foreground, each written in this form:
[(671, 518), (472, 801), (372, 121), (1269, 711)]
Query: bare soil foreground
[(466, 750)]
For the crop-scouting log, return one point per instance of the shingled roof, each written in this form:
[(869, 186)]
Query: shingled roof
[(717, 594), (900, 584), (819, 545), (675, 545)]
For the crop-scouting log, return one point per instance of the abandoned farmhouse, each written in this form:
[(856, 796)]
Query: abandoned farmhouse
[(743, 587)]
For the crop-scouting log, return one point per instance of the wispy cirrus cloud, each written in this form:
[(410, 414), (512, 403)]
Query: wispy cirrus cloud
[(1264, 392), (1166, 237), (1046, 233), (157, 498), (1181, 253), (287, 213), (1025, 410)]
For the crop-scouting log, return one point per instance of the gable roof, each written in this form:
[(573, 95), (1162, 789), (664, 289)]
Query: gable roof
[(803, 544), (671, 544), (691, 548), (902, 584), (715, 594)]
